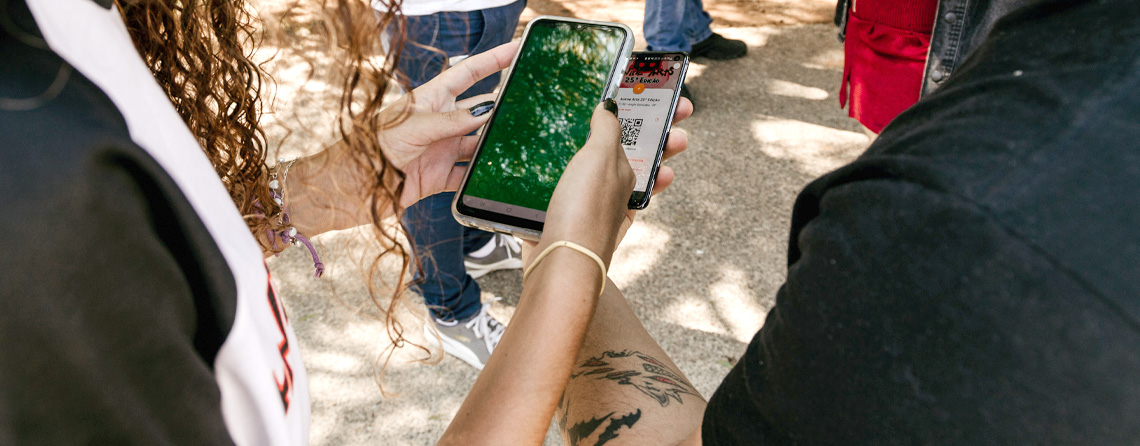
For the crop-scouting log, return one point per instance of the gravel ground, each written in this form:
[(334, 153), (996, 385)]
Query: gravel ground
[(701, 266)]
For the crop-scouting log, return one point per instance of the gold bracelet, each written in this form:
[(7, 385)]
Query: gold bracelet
[(571, 245)]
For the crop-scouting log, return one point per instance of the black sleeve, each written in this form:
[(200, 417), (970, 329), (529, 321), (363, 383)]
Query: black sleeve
[(910, 317), (113, 295)]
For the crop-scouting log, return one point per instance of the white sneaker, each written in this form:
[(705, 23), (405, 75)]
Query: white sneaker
[(501, 252), (472, 341)]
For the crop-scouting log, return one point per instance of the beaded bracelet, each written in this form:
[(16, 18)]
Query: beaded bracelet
[(571, 245), (286, 232)]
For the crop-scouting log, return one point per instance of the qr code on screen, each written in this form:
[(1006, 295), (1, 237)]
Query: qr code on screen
[(630, 130)]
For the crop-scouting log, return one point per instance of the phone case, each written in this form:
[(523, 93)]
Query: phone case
[(611, 89)]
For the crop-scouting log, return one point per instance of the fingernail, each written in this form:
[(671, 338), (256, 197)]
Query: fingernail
[(610, 105), (481, 108)]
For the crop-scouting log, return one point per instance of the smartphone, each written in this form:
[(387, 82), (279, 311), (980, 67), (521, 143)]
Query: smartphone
[(563, 69), (647, 98)]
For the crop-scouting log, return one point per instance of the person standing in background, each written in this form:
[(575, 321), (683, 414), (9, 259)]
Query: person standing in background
[(683, 25), (440, 33)]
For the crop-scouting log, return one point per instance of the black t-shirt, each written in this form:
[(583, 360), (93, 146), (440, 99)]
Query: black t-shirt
[(135, 306), (974, 278)]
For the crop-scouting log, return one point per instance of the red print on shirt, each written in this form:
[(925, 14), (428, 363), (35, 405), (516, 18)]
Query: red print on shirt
[(285, 383)]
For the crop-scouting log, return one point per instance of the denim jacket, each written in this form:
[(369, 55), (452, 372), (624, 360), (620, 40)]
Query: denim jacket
[(959, 27)]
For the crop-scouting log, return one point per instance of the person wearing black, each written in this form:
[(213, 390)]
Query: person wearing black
[(971, 279)]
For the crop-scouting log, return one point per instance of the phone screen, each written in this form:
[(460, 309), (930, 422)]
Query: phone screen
[(645, 102), (542, 119)]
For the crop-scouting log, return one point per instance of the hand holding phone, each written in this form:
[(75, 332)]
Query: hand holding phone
[(564, 68), (589, 204)]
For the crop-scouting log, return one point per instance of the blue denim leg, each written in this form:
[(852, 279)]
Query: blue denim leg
[(441, 242), (440, 245), (675, 25)]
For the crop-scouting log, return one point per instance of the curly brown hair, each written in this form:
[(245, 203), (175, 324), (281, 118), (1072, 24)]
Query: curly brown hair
[(202, 54)]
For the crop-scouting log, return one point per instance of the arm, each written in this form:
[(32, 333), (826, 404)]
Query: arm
[(520, 389), (623, 388)]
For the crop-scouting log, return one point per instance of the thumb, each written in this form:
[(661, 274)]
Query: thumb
[(605, 129)]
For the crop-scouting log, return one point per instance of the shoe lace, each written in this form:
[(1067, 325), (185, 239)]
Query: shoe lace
[(486, 327), (512, 245)]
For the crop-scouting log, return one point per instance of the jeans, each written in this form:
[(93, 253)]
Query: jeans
[(675, 25), (440, 242)]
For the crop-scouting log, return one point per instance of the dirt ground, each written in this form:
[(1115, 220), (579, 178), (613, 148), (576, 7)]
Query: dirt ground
[(700, 267)]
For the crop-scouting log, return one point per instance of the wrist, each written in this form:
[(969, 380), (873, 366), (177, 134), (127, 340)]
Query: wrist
[(326, 192), (562, 252), (597, 242)]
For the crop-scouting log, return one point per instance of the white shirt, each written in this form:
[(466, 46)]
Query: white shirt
[(264, 388), (428, 7)]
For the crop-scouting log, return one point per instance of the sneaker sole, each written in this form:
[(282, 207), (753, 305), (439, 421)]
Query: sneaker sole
[(477, 270), (454, 348)]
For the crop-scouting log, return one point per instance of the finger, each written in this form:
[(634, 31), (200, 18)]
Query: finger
[(456, 151), (465, 149), (678, 142), (454, 178), (434, 127), (684, 110), (474, 100), (463, 75), (665, 177), (604, 128), (444, 154)]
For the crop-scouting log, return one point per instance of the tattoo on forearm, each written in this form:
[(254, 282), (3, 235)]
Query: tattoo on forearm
[(643, 372), (615, 424), (584, 429), (628, 368)]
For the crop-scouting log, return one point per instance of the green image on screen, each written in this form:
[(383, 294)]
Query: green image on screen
[(544, 114)]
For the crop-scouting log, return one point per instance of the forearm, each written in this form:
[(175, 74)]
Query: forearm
[(515, 396), (624, 387)]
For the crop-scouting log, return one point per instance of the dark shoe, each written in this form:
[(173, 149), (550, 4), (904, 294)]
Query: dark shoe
[(716, 47)]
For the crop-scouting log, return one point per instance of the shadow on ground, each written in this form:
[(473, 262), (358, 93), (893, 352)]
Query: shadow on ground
[(701, 267)]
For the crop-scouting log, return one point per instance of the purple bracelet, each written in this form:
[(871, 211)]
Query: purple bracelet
[(287, 232)]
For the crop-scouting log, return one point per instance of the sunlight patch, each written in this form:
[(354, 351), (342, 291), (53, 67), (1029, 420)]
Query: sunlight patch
[(736, 305), (794, 90), (695, 314), (639, 253), (816, 148)]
